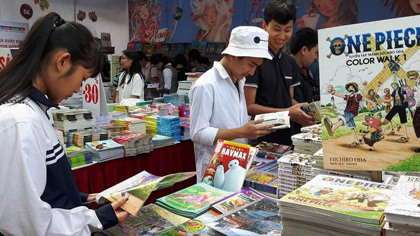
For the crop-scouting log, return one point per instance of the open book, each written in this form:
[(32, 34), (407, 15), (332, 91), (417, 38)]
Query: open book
[(280, 120), (139, 187)]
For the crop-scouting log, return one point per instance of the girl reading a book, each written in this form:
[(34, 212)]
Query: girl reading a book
[(40, 196), (131, 81)]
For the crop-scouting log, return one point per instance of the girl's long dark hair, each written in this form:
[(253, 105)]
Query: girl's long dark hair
[(48, 34), (135, 67)]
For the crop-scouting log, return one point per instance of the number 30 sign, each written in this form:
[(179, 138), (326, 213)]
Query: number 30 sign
[(94, 97)]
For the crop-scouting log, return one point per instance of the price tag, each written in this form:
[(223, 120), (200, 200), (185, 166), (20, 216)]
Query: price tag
[(95, 100), (161, 35)]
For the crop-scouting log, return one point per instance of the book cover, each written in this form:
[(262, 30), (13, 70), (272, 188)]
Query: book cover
[(193, 227), (228, 165), (280, 120), (404, 205), (368, 74), (351, 199), (150, 220), (139, 188), (192, 200), (259, 218)]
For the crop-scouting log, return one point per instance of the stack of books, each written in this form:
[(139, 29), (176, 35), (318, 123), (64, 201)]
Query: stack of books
[(192, 201), (135, 143), (115, 129), (185, 128), (331, 205), (132, 124), (403, 211), (105, 150), (259, 218), (80, 138), (162, 141), (294, 170), (169, 126), (162, 109), (78, 156), (272, 150), (175, 99), (307, 143), (73, 120), (151, 125), (185, 86)]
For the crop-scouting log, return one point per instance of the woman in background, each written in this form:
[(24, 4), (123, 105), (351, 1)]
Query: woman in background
[(131, 81)]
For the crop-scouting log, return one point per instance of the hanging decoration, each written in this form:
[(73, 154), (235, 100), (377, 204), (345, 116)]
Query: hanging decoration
[(43, 4), (81, 15), (178, 15), (26, 11), (93, 16)]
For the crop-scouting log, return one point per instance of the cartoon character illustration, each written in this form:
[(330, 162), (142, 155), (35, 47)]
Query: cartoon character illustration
[(333, 12), (400, 99), (387, 98), (374, 97), (403, 7), (232, 180), (213, 17), (352, 110), (144, 18), (208, 180), (373, 134)]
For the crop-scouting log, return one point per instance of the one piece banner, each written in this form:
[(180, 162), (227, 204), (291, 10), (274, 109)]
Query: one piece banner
[(369, 78)]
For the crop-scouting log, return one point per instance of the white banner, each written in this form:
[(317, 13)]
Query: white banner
[(12, 33)]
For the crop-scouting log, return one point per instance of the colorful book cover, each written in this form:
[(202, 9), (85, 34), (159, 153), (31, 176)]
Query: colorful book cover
[(404, 205), (192, 227), (139, 188), (369, 80), (228, 165), (193, 200), (236, 201), (150, 220), (351, 199), (259, 218), (103, 145)]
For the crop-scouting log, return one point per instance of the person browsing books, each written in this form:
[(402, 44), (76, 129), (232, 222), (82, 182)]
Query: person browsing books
[(131, 81), (218, 108), (40, 196), (271, 87)]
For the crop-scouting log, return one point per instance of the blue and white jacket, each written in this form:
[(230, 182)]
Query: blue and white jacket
[(38, 193)]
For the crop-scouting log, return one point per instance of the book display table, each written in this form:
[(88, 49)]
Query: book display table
[(162, 161)]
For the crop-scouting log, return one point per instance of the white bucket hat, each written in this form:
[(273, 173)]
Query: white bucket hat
[(248, 41)]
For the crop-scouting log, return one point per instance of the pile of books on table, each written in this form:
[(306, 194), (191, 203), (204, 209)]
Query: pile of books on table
[(332, 205), (78, 156), (80, 138), (169, 126), (402, 214), (307, 143), (272, 150), (175, 99), (185, 86), (162, 141), (105, 150), (151, 124), (161, 109), (78, 119), (135, 143), (264, 178), (132, 124)]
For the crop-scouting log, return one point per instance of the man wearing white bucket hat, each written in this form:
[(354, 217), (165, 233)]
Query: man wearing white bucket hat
[(218, 107)]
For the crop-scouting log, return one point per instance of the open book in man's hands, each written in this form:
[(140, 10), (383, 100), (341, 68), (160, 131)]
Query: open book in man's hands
[(138, 188), (280, 120)]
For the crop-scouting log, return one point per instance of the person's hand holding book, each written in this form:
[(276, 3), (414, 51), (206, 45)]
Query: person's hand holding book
[(119, 212), (299, 116), (254, 129)]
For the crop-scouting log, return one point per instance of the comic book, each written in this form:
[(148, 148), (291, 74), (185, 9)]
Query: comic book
[(228, 165), (404, 205), (369, 82), (259, 218), (280, 120), (192, 201), (192, 227), (139, 188), (349, 199), (237, 200), (150, 220)]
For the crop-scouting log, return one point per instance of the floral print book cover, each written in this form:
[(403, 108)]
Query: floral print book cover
[(369, 78)]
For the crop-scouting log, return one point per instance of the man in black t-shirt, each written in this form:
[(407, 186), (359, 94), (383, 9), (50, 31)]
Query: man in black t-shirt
[(271, 88), (304, 49)]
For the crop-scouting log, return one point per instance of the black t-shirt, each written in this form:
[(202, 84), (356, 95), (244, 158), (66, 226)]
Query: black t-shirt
[(273, 79), (304, 91)]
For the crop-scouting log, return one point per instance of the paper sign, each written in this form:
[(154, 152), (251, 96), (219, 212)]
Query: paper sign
[(106, 39), (161, 35), (95, 100), (5, 57)]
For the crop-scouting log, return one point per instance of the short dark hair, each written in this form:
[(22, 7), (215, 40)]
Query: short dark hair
[(282, 11), (304, 37), (142, 55), (159, 57), (194, 54), (180, 59), (48, 34)]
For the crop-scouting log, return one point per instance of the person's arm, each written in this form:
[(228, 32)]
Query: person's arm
[(22, 211), (167, 78), (138, 86), (292, 95)]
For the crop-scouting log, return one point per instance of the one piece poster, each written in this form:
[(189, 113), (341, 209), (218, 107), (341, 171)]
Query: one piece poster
[(369, 78)]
